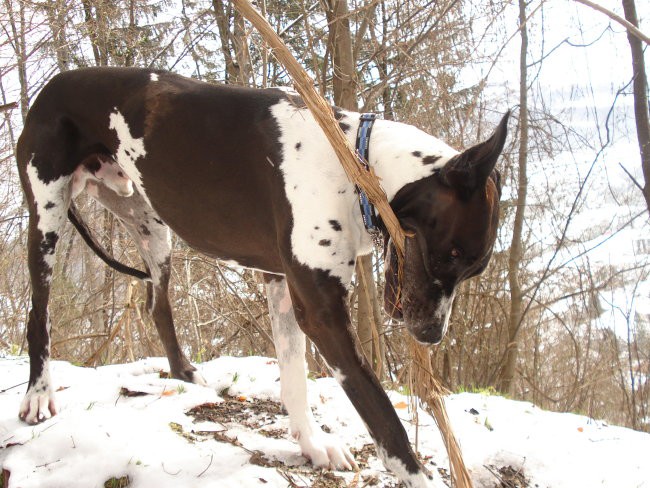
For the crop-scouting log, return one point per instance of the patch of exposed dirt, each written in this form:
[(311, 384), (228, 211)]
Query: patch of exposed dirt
[(509, 477), (273, 433), (256, 414), (253, 413), (362, 454)]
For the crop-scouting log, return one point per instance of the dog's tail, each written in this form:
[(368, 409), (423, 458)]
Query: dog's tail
[(84, 231)]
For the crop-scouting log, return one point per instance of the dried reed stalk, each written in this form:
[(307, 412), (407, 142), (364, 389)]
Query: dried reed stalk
[(425, 384), (322, 112)]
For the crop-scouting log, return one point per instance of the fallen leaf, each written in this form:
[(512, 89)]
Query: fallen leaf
[(131, 393), (400, 405)]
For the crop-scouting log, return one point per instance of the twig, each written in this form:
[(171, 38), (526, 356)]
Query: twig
[(167, 472), (47, 464), (288, 478), (15, 386), (95, 356), (8, 106), (632, 29), (631, 177), (207, 467)]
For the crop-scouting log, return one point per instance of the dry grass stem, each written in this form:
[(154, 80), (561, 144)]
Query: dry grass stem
[(425, 385)]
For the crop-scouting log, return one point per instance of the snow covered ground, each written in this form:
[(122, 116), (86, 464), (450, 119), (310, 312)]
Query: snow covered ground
[(125, 421)]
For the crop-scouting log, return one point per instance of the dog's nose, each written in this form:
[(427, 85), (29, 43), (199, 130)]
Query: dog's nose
[(429, 334)]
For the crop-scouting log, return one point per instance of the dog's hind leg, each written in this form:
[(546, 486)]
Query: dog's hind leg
[(48, 198), (323, 449), (153, 239)]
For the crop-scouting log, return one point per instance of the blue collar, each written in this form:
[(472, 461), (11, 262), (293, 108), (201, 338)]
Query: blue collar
[(370, 219)]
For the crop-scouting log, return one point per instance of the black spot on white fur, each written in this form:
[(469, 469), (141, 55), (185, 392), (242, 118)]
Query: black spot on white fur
[(417, 154), (324, 242), (338, 115), (335, 225), (49, 242), (430, 159), (298, 146), (50, 205)]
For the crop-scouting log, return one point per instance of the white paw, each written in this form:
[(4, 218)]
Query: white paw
[(198, 379), (37, 406), (325, 450)]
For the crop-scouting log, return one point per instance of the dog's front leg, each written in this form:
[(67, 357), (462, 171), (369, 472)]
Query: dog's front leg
[(324, 450), (320, 309)]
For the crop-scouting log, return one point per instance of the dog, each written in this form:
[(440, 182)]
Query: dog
[(247, 176)]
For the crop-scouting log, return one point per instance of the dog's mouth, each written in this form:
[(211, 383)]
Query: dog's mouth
[(424, 308)]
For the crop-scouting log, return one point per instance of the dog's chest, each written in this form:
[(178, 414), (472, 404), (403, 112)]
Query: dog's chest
[(327, 231)]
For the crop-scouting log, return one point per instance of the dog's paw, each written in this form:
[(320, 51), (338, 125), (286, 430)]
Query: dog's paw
[(198, 379), (191, 375), (37, 406), (325, 451)]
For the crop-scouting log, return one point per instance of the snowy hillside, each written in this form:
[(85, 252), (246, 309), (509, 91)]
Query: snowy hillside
[(125, 425)]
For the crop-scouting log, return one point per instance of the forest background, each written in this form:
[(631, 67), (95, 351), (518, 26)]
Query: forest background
[(561, 317)]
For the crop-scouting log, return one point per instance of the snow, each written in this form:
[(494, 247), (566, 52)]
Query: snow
[(100, 434)]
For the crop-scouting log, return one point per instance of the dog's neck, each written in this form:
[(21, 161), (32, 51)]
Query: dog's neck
[(401, 154)]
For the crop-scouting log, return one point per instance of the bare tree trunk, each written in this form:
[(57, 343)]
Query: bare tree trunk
[(234, 45), (344, 82), (56, 17), (516, 247), (369, 323), (96, 30), (19, 45), (242, 53), (640, 88), (132, 34)]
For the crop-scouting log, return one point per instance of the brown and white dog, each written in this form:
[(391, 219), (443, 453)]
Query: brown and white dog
[(247, 176)]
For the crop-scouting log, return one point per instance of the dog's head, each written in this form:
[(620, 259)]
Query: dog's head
[(453, 217)]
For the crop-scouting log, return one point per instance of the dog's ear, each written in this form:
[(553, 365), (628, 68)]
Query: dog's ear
[(470, 169)]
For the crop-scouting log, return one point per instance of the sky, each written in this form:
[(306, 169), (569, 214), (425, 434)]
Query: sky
[(578, 60)]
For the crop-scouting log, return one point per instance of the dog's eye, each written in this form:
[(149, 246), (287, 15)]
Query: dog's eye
[(455, 253)]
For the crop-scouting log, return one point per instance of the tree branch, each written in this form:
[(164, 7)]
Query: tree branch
[(631, 28)]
